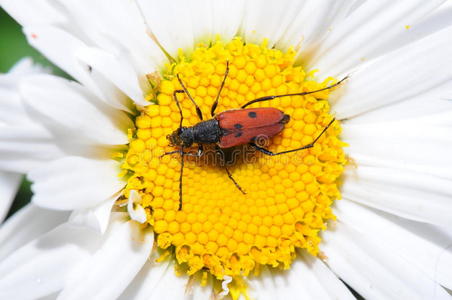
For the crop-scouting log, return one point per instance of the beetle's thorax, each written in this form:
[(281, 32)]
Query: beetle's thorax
[(205, 132)]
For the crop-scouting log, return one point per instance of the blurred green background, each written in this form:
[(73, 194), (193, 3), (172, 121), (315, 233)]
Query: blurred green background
[(13, 47)]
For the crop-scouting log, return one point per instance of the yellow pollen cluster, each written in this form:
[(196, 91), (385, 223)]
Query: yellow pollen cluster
[(288, 197)]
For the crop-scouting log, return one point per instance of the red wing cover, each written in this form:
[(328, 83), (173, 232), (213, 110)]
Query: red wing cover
[(241, 126), (249, 118), (244, 136)]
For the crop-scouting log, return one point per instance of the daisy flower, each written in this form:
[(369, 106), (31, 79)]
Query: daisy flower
[(363, 87)]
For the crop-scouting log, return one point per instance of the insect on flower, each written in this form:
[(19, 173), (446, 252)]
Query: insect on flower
[(233, 127)]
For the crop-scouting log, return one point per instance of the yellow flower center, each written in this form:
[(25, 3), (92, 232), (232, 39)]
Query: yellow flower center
[(288, 198)]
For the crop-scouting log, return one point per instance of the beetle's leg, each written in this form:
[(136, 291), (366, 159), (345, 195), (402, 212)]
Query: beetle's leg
[(233, 180), (214, 105), (198, 110), (169, 153), (196, 154), (228, 172), (182, 155), (268, 152), (200, 150), (267, 98)]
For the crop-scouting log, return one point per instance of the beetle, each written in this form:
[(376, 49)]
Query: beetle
[(233, 127)]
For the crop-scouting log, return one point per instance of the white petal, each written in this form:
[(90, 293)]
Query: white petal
[(354, 40), (371, 269), (431, 23), (201, 18), (66, 108), (97, 217), (135, 210), (75, 182), (61, 48), (170, 21), (432, 104), (23, 67), (120, 30), (423, 246), (227, 17), (24, 144), (23, 148), (40, 267), (126, 245), (265, 282), (156, 281), (418, 68), (117, 69), (170, 286), (308, 278), (268, 19), (312, 22), (27, 224), (407, 144), (198, 292), (210, 20), (9, 183), (49, 297), (410, 195), (13, 112), (102, 212), (324, 281), (37, 12), (410, 142), (180, 24)]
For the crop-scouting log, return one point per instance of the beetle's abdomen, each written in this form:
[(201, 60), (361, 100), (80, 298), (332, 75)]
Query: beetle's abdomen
[(242, 126)]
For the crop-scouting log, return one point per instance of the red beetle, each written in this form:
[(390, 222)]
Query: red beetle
[(233, 127)]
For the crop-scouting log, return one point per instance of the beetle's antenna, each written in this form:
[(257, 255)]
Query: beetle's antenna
[(181, 175), (178, 105), (182, 148), (266, 98), (198, 110), (214, 105)]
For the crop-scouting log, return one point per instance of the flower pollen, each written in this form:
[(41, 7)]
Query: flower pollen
[(288, 197)]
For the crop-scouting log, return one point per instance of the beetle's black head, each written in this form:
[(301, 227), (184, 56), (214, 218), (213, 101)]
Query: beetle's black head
[(182, 137)]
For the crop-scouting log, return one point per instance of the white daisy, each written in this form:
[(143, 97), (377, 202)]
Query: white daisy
[(92, 148)]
